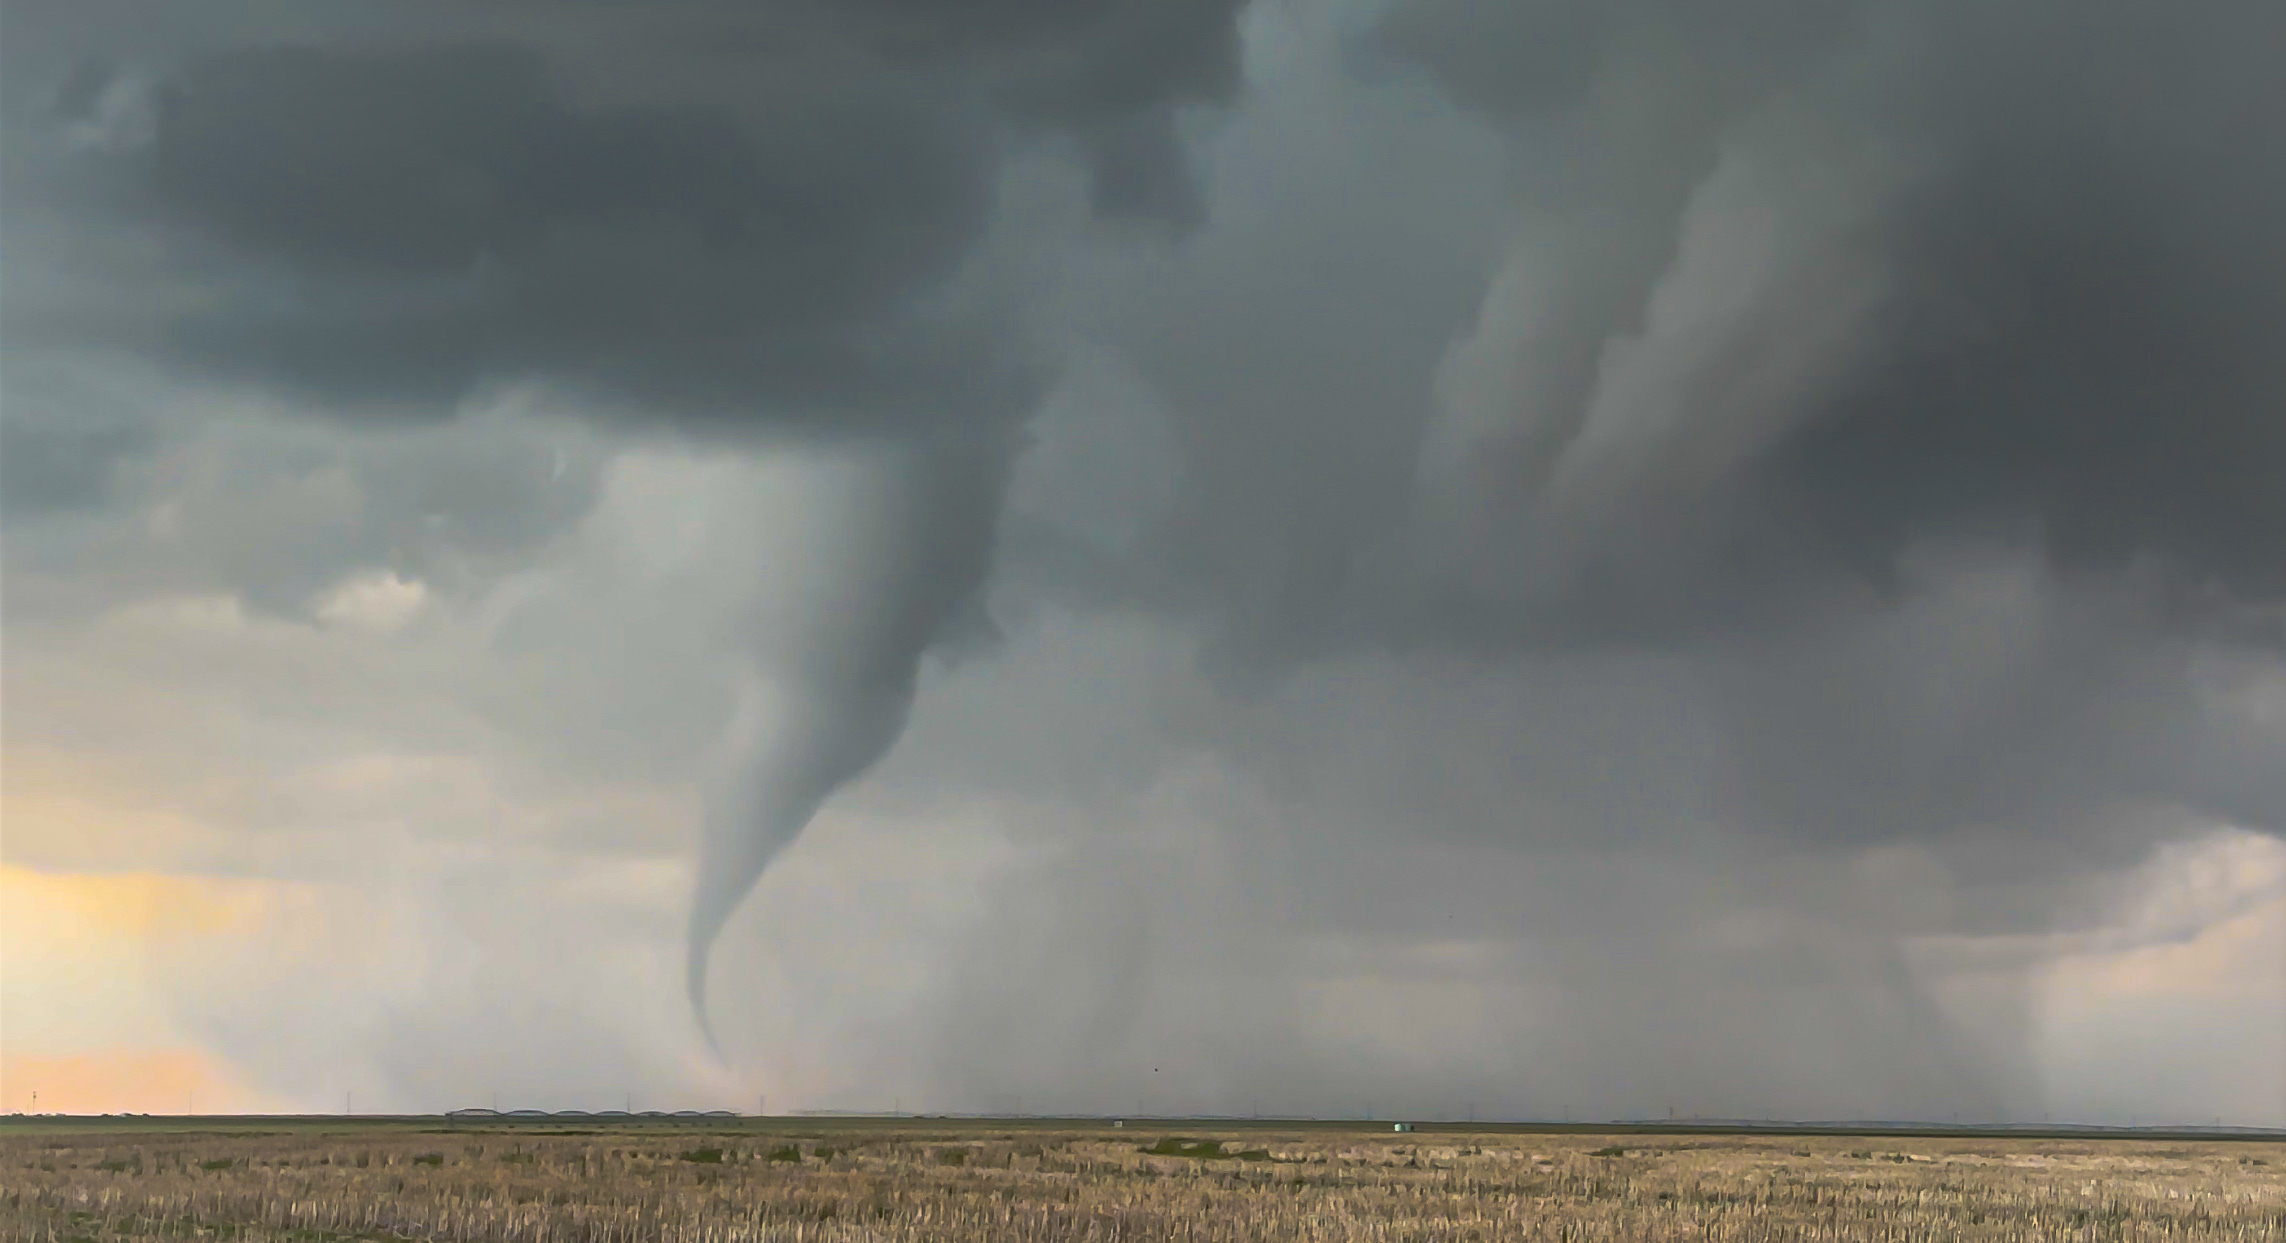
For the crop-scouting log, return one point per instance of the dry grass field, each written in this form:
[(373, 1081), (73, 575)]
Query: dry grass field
[(818, 1185)]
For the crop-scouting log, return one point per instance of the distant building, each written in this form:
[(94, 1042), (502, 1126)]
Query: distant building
[(1402, 1126)]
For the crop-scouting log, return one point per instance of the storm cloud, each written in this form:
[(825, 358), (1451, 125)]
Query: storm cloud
[(1804, 320), (395, 221), (1686, 552)]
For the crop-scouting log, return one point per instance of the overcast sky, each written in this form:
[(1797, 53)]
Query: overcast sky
[(1547, 559)]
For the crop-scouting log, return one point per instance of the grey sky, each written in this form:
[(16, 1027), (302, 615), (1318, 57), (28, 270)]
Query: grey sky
[(1566, 555)]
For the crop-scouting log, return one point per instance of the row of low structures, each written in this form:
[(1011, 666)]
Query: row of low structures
[(569, 1115)]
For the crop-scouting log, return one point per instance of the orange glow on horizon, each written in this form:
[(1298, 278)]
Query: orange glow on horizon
[(133, 906), (153, 1081)]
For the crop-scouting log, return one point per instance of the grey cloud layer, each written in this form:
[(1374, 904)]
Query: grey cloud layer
[(728, 217), (1809, 322), (389, 217), (473, 222), (2063, 220), (1603, 431)]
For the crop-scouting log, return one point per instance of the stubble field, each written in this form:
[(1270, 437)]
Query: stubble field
[(822, 1185)]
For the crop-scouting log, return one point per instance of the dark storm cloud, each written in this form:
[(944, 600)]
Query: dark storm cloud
[(1866, 441), (2085, 270), (2019, 277), (2094, 287), (1629, 463), (717, 212), (697, 214), (419, 219), (1073, 63), (1511, 60)]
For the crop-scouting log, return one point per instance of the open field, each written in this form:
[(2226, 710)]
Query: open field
[(823, 1181)]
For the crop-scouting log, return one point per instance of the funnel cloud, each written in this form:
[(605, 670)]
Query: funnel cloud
[(897, 550)]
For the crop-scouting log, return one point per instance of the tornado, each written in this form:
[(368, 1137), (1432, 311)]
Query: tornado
[(889, 546), (792, 743)]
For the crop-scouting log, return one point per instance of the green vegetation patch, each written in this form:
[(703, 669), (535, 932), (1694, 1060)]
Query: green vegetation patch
[(790, 1154), (1200, 1150), (709, 1156)]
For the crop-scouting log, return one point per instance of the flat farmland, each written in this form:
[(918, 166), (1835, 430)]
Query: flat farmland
[(823, 1183)]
